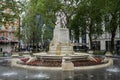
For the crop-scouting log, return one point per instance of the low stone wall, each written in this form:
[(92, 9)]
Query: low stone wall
[(15, 64), (109, 63)]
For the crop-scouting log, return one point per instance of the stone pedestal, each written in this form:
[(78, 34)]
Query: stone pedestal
[(61, 42), (67, 66)]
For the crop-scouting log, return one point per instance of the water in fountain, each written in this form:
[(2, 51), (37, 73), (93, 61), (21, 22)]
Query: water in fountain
[(8, 74), (96, 74), (113, 69), (40, 76)]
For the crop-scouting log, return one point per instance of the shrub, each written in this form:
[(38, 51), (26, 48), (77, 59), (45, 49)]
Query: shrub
[(99, 52)]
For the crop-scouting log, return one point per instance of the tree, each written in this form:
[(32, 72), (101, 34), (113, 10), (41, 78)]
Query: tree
[(29, 23), (10, 9), (112, 19), (48, 9), (88, 19), (34, 23), (10, 12)]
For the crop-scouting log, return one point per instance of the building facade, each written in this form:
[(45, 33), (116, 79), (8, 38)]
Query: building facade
[(103, 41), (8, 41)]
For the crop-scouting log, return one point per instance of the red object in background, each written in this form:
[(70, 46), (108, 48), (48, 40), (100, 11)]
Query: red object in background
[(24, 59)]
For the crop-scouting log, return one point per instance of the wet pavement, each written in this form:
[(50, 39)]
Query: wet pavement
[(8, 72)]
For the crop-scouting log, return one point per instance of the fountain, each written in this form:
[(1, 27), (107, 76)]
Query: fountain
[(61, 55)]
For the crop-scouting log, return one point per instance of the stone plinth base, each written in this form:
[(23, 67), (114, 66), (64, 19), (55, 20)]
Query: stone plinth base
[(61, 43), (67, 66), (61, 49), (60, 52)]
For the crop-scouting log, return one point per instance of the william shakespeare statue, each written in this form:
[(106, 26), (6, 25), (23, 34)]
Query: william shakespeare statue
[(61, 20)]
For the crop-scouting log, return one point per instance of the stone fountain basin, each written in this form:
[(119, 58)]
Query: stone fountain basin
[(53, 57), (60, 57), (71, 57)]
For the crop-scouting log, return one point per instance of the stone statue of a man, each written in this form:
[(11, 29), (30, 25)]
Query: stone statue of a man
[(61, 19)]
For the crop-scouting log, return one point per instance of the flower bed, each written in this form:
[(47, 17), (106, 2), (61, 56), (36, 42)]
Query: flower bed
[(57, 63)]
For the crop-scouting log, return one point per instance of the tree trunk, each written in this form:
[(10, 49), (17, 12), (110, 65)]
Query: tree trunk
[(90, 38), (113, 26), (112, 42), (90, 35)]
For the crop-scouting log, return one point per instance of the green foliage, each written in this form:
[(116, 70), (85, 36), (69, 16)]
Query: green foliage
[(82, 16), (88, 19), (99, 52), (47, 9), (112, 11), (112, 18), (14, 9)]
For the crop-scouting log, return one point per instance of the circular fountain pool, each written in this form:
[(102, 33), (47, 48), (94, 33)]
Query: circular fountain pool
[(8, 72), (55, 62)]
